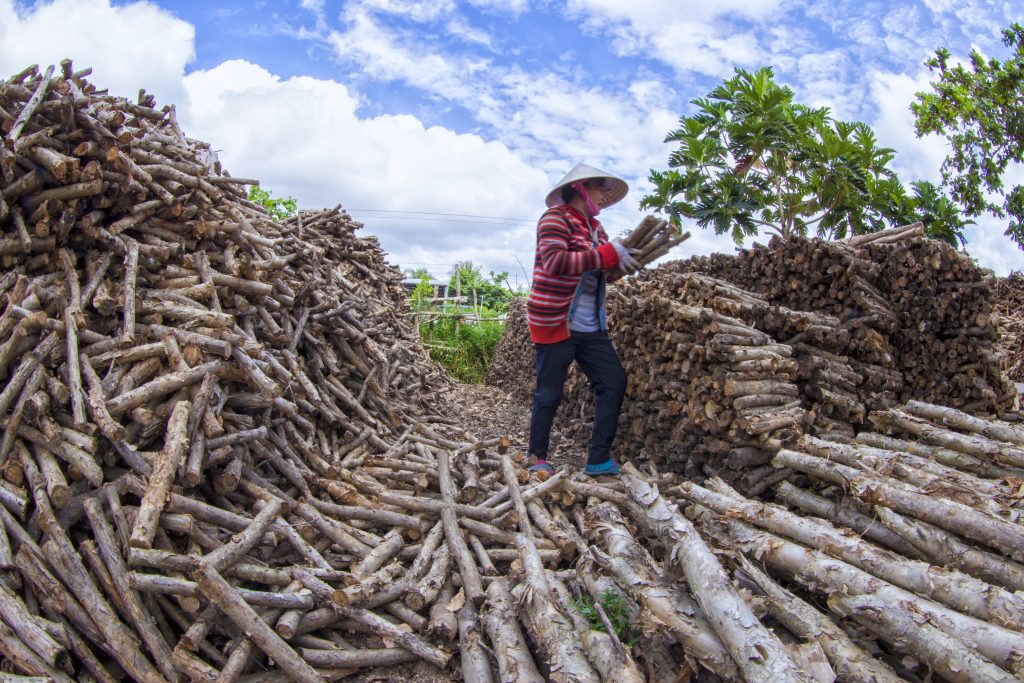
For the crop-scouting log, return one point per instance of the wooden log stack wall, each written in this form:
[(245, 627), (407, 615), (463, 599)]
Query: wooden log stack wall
[(1009, 315), (512, 365), (914, 308)]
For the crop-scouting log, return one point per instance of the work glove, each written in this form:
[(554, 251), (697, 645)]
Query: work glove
[(627, 261)]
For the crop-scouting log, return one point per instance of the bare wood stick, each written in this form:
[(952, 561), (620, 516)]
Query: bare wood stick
[(163, 475), (97, 402), (27, 627), (30, 107), (379, 625), (134, 610), (224, 557), (473, 585), (14, 422), (131, 270), (220, 592), (167, 384), (25, 369)]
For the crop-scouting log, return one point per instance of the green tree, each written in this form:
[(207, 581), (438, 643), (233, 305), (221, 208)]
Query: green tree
[(490, 292), (751, 158), (979, 109), (278, 208)]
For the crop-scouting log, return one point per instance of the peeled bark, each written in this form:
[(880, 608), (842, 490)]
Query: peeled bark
[(548, 626), (476, 666), (907, 632), (948, 550), (663, 601), (756, 651), (959, 591), (821, 573), (515, 663), (1005, 536), (852, 663)]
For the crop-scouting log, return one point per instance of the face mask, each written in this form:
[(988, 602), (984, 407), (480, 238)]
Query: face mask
[(593, 208)]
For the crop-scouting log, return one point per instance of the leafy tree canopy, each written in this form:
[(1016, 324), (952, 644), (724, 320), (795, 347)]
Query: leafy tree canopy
[(490, 291), (979, 108), (279, 209), (752, 158)]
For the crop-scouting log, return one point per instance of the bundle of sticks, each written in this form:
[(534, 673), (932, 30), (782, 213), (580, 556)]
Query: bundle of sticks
[(654, 238)]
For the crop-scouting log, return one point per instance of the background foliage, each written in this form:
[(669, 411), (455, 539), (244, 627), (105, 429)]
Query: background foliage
[(279, 208), (979, 108), (751, 158)]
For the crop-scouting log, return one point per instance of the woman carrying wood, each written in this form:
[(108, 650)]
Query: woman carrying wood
[(565, 309)]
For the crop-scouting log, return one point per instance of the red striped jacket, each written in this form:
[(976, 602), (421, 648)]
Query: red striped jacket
[(565, 251)]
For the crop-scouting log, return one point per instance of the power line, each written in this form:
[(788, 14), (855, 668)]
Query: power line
[(438, 213), (479, 265), (444, 220)]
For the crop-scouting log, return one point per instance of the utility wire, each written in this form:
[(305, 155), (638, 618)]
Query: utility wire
[(438, 213)]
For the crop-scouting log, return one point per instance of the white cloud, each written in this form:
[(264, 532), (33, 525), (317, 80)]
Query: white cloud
[(513, 7), (417, 10), (143, 46), (303, 138), (892, 94), (388, 55), (307, 137)]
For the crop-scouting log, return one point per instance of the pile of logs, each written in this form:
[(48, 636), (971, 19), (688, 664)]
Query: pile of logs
[(512, 365), (706, 388), (933, 570), (224, 459), (1009, 314), (836, 363), (915, 309)]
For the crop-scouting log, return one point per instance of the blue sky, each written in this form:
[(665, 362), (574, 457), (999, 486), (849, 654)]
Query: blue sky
[(401, 110)]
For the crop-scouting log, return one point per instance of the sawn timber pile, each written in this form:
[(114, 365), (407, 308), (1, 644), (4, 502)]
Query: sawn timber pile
[(220, 462)]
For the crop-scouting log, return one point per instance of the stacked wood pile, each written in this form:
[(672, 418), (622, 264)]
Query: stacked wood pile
[(833, 386), (844, 363), (919, 314), (512, 365), (1009, 314), (946, 344), (705, 387), (912, 541)]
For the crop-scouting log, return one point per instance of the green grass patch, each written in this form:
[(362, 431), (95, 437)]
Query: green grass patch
[(617, 609), (464, 349)]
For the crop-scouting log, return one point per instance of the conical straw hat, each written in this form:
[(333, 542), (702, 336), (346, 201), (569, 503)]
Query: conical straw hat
[(617, 187)]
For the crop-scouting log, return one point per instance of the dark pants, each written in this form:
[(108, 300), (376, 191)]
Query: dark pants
[(599, 362)]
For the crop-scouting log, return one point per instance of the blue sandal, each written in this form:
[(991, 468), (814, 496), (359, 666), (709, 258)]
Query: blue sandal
[(607, 468)]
